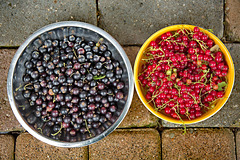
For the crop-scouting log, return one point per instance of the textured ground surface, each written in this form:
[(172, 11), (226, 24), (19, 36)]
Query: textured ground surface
[(140, 135)]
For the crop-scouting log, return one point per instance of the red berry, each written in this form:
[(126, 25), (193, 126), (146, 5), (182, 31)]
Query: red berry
[(192, 43), (218, 59), (204, 38), (198, 113), (224, 73), (174, 115), (168, 34), (225, 68), (148, 96), (208, 52), (150, 67), (196, 29), (220, 94), (167, 110), (153, 43), (209, 43), (220, 66), (191, 51), (184, 38), (192, 116), (212, 64), (218, 54), (163, 36), (204, 67), (182, 111)]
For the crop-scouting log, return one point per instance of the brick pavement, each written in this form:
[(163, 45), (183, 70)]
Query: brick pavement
[(140, 135), (7, 121), (6, 147), (198, 144), (232, 13)]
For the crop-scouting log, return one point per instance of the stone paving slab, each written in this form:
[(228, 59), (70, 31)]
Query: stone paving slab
[(133, 23), (138, 115), (6, 147), (128, 144), (21, 18), (198, 144), (238, 144), (229, 115), (131, 52), (8, 121), (28, 147), (232, 14)]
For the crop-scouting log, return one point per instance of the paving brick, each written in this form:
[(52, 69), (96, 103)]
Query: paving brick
[(6, 147), (133, 23), (131, 52), (8, 121), (229, 115), (28, 147), (234, 49), (128, 144), (138, 115), (232, 14), (21, 18), (238, 144), (198, 144)]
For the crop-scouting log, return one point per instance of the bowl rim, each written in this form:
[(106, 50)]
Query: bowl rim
[(18, 53), (155, 36)]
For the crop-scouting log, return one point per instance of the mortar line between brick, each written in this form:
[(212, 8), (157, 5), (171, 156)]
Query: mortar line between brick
[(235, 142), (224, 31), (131, 45), (154, 127), (88, 152), (15, 142), (97, 13), (160, 134), (9, 47)]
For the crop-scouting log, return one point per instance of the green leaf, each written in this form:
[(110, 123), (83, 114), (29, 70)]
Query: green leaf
[(210, 30), (221, 85), (99, 77)]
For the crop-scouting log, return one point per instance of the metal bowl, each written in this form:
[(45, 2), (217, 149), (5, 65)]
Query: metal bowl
[(59, 31)]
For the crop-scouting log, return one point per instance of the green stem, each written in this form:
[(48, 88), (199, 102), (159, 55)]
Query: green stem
[(57, 131), (87, 127), (99, 77), (184, 126), (26, 86), (18, 88), (22, 106)]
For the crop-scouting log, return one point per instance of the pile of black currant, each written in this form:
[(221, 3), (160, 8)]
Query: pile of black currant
[(72, 86)]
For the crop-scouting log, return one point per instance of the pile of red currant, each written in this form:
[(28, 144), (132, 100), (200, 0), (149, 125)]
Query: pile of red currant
[(183, 73)]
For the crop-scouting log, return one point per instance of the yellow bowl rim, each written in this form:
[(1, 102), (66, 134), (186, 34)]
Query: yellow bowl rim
[(220, 104)]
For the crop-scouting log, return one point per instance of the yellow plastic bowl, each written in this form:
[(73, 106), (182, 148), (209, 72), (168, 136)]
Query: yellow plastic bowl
[(219, 104)]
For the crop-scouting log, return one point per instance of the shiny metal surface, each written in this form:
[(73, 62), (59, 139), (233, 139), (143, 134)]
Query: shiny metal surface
[(60, 30)]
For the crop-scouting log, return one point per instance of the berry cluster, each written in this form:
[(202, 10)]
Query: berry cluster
[(72, 86), (184, 73)]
